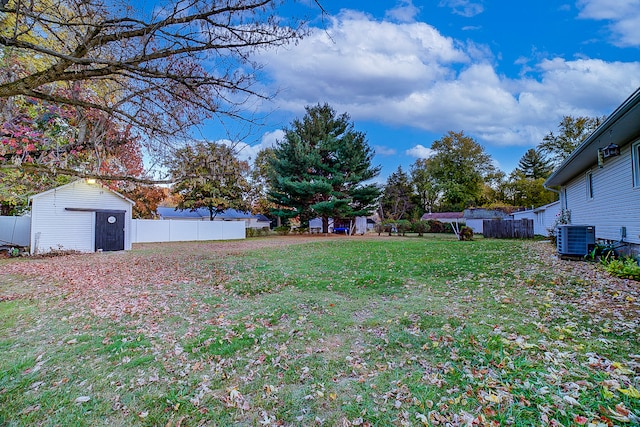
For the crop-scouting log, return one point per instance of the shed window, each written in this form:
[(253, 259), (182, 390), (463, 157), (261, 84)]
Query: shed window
[(635, 158), (589, 181)]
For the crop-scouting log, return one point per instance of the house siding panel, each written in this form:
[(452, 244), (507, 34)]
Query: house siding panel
[(54, 227), (615, 202)]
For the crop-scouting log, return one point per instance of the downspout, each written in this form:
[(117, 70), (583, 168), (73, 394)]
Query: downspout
[(551, 189)]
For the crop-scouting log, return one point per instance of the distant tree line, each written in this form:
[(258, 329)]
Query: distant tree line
[(460, 174)]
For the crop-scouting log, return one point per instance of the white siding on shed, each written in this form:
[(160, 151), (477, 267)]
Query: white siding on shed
[(54, 227), (476, 224), (544, 217), (615, 202)]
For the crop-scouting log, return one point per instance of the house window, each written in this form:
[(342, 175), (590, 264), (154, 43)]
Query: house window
[(589, 181), (635, 158)]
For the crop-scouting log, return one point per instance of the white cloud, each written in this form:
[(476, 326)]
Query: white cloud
[(409, 74), (420, 152), (624, 18), (358, 60), (249, 152), (405, 11), (463, 7), (384, 151)]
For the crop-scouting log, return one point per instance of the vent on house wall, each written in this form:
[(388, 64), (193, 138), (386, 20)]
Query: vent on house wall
[(575, 240)]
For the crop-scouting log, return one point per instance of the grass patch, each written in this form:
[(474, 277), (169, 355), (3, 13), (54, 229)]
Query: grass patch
[(388, 331)]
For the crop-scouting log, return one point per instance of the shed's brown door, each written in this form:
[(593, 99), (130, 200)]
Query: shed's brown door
[(109, 231)]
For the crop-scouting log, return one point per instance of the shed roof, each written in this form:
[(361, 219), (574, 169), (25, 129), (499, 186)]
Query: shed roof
[(621, 128), (482, 213), (441, 215), (84, 182), (551, 205)]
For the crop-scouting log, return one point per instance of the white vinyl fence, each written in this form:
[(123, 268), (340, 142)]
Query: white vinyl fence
[(149, 230), (15, 230)]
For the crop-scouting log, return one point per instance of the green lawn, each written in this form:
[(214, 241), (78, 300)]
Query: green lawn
[(340, 331)]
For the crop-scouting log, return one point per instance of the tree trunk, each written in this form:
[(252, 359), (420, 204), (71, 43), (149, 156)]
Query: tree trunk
[(325, 224)]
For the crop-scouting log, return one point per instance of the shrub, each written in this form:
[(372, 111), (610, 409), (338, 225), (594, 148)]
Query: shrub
[(379, 228), (389, 226), (420, 227), (283, 230), (626, 268), (466, 233), (257, 232), (435, 226), (403, 226)]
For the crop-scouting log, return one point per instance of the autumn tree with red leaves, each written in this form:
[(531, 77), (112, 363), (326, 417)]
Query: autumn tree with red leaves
[(82, 82)]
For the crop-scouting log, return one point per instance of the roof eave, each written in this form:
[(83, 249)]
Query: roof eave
[(577, 161)]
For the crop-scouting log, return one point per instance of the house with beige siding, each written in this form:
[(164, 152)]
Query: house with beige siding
[(599, 182)]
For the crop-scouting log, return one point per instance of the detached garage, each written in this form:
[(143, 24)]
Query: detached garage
[(82, 216)]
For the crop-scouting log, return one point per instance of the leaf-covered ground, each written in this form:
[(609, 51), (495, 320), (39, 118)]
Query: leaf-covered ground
[(318, 330)]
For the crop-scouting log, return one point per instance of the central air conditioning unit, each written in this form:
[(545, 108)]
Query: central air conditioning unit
[(575, 240)]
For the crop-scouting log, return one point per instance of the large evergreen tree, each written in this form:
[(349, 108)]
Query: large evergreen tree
[(533, 165), (320, 169)]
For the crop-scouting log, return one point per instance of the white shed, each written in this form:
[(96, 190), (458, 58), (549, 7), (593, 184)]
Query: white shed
[(82, 216), (544, 218)]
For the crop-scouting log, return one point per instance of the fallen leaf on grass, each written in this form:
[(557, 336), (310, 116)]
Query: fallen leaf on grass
[(620, 413), (570, 400), (82, 399), (30, 409), (423, 418), (581, 420), (631, 392), (620, 368), (607, 394), (490, 397)]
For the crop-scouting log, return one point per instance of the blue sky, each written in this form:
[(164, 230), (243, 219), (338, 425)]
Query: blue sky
[(505, 72)]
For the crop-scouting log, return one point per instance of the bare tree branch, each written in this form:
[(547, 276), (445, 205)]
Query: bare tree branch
[(54, 171), (199, 46)]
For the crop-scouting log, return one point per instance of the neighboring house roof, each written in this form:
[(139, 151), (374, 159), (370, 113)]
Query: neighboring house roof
[(261, 218), (228, 214), (482, 213), (35, 196), (441, 215), (552, 205), (164, 212), (621, 128)]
